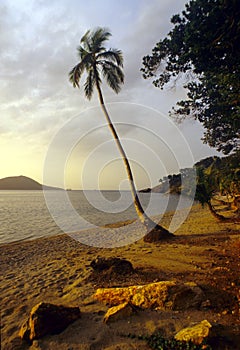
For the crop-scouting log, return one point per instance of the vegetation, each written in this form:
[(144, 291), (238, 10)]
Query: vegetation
[(214, 176), (205, 190), (221, 176), (157, 342), (95, 60), (203, 51), (182, 183)]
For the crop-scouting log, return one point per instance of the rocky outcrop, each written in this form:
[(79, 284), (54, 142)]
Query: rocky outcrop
[(195, 334), (164, 295), (46, 318)]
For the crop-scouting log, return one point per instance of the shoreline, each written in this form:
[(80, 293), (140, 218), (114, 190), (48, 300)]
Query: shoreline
[(20, 224), (57, 269), (163, 218)]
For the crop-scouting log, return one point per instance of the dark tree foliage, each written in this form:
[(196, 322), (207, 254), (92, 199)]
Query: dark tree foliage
[(204, 48)]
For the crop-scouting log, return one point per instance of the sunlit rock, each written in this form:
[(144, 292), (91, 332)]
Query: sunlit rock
[(195, 334), (164, 295), (118, 312)]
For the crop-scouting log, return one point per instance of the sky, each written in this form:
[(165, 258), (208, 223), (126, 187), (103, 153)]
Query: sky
[(51, 132)]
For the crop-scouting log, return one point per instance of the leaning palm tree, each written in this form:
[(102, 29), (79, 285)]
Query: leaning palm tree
[(94, 60)]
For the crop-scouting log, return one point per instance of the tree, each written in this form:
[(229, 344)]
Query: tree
[(205, 190), (94, 60), (203, 51), (219, 176)]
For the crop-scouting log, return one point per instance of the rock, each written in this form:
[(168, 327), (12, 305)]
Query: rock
[(117, 265), (195, 334), (118, 312), (186, 296), (164, 295), (46, 318), (145, 190)]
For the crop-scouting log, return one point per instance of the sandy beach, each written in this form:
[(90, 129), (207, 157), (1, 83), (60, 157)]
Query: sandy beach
[(57, 270)]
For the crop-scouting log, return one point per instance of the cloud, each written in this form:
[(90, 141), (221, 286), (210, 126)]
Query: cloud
[(38, 48), (151, 25)]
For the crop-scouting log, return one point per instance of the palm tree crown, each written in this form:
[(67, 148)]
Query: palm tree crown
[(96, 60)]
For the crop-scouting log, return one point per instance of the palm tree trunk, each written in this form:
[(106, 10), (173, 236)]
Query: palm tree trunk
[(138, 207)]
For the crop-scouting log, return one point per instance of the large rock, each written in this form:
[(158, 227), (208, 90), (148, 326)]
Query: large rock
[(46, 318), (195, 334), (162, 295), (116, 265)]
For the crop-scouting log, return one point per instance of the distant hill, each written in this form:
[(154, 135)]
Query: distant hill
[(23, 183)]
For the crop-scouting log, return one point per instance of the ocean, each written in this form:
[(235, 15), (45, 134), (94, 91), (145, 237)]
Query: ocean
[(25, 215)]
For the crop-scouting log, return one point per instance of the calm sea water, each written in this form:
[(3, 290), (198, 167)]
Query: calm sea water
[(26, 215)]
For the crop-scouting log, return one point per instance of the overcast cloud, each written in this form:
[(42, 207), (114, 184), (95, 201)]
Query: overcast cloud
[(38, 42)]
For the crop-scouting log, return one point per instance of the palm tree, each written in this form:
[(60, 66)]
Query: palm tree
[(96, 59)]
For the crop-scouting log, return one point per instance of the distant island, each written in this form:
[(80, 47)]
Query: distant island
[(23, 183)]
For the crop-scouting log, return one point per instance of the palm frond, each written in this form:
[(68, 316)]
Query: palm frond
[(87, 59), (113, 75), (75, 74), (82, 52), (89, 84), (113, 55), (86, 40), (98, 37), (107, 65)]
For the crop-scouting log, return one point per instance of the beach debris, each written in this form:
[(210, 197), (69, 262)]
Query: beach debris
[(164, 295), (195, 334), (115, 265), (119, 312), (46, 318)]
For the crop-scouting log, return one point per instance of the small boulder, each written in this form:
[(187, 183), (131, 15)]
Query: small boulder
[(118, 312), (46, 318), (195, 334), (116, 265)]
